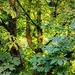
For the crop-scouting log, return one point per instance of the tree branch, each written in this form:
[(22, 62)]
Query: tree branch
[(50, 40), (27, 14), (55, 12), (29, 38), (39, 22)]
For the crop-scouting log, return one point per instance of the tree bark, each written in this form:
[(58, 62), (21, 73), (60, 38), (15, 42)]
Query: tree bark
[(39, 22), (12, 29), (39, 29), (29, 38)]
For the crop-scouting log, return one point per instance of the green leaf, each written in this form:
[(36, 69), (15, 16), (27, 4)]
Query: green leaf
[(54, 38), (65, 60), (11, 67), (40, 69), (2, 69), (73, 24), (60, 62), (58, 73), (16, 61), (34, 66), (49, 48), (47, 67), (6, 65), (53, 61)]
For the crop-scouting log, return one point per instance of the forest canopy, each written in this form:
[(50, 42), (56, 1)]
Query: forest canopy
[(37, 37)]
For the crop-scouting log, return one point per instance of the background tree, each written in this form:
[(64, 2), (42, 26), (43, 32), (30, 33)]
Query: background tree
[(42, 32)]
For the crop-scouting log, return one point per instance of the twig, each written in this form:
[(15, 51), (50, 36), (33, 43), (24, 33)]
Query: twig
[(27, 14), (50, 40)]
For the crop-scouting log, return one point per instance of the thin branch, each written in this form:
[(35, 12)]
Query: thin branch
[(39, 22), (50, 40), (27, 14), (29, 38), (56, 5)]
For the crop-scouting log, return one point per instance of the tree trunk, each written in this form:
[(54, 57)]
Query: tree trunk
[(12, 29), (39, 23), (29, 38)]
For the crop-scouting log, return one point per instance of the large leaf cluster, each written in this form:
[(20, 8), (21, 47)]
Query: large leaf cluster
[(58, 56), (7, 63)]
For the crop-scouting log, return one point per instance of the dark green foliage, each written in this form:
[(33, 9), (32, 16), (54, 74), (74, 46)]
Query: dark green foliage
[(7, 63), (57, 55)]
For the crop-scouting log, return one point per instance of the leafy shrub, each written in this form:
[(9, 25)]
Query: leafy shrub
[(57, 58), (7, 63)]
